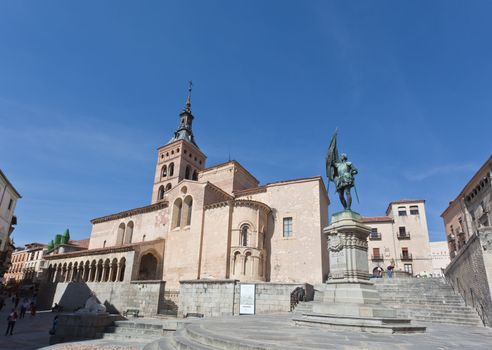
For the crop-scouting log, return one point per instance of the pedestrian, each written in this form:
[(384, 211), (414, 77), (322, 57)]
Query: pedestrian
[(23, 308), (33, 309), (389, 271), (11, 319), (54, 326)]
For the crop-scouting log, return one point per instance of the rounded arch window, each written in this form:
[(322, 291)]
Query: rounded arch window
[(244, 235), (171, 169), (188, 172), (168, 187), (164, 171), (160, 194)]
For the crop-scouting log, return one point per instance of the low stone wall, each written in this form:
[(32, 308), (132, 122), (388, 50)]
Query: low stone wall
[(470, 274), (210, 298), (222, 297), (73, 327), (116, 296)]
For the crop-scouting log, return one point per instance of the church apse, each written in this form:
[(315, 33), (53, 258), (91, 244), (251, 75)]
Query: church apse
[(248, 253)]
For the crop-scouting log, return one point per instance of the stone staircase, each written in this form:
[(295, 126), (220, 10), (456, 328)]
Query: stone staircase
[(148, 329), (426, 299)]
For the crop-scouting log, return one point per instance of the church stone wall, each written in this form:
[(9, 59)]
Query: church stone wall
[(301, 257), (152, 225), (183, 243), (215, 251)]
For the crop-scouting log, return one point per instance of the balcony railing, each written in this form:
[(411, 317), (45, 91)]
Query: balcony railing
[(377, 258), (406, 257), (401, 235), (375, 236)]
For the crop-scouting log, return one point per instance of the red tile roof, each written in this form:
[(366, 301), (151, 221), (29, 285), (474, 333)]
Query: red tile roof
[(377, 219)]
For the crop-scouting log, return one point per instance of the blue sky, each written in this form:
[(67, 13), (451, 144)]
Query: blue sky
[(89, 90)]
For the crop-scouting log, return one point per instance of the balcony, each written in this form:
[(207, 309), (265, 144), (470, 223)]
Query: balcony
[(401, 235), (406, 257), (375, 236), (377, 258)]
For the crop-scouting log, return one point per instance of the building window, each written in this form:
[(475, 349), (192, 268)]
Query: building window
[(244, 235), (164, 171), (178, 207), (402, 231), (160, 194), (402, 211), (408, 268), (414, 210), (171, 169), (287, 227), (187, 172), (10, 204), (375, 253)]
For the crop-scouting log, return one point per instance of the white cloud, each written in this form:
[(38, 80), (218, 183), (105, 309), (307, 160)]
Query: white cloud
[(441, 169)]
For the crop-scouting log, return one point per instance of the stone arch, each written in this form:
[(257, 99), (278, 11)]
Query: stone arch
[(168, 187), (99, 271), (114, 270), (177, 209), (160, 193), (64, 273), (236, 267), (188, 172), (148, 267), (93, 268), (187, 211), (171, 169), (128, 233), (120, 233), (75, 271), (195, 176), (106, 267), (121, 270), (248, 264), (164, 171)]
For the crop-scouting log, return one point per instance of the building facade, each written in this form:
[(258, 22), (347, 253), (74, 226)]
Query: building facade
[(467, 221), (440, 257), (470, 210), (8, 201), (400, 239), (205, 223), (16, 271)]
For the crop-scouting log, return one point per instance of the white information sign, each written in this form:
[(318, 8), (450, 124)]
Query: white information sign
[(247, 299)]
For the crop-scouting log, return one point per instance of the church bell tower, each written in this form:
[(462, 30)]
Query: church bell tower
[(180, 159)]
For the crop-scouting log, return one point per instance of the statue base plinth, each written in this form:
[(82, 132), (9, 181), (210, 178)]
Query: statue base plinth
[(349, 299)]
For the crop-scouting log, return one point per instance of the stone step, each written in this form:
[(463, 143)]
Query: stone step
[(133, 337), (134, 331), (182, 340)]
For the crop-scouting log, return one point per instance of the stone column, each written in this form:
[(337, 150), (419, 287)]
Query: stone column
[(118, 271)]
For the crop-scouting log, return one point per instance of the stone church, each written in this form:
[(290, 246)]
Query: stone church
[(203, 223)]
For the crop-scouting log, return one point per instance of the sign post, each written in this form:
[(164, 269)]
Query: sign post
[(247, 299)]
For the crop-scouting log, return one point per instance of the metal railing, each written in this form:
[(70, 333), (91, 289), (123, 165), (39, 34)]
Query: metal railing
[(406, 257), (375, 236), (377, 257), (401, 235)]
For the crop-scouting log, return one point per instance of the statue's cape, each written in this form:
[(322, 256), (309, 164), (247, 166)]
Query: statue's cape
[(332, 158)]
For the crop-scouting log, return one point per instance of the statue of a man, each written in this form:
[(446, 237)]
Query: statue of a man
[(340, 171)]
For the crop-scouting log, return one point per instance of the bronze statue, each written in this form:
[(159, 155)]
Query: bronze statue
[(341, 172)]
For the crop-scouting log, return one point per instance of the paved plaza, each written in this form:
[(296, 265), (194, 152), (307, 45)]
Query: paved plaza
[(266, 332)]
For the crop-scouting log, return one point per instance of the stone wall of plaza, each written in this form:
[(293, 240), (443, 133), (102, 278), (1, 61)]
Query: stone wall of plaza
[(470, 273), (118, 297), (400, 238), (222, 297)]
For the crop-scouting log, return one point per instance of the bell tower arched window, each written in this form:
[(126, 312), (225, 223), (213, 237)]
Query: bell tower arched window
[(187, 172), (164, 171), (171, 169), (160, 194)]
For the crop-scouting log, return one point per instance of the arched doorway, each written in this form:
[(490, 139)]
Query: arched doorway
[(148, 267)]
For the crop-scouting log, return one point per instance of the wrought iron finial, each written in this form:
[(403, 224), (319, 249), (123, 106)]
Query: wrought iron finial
[(188, 99)]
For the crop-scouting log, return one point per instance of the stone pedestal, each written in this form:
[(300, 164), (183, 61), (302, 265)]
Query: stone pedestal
[(349, 299)]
